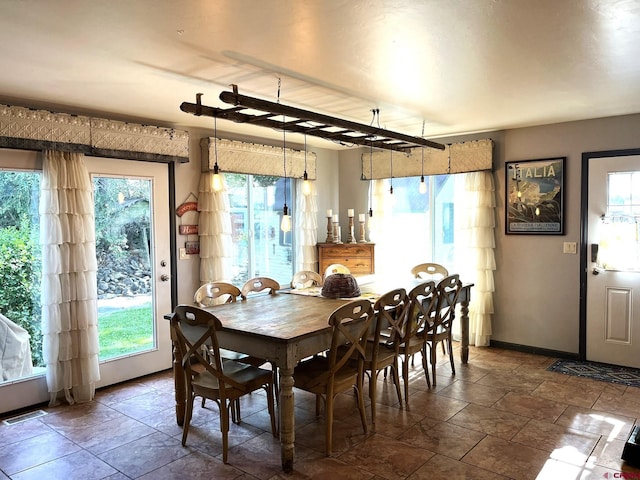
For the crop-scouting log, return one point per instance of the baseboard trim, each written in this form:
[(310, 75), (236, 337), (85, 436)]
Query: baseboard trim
[(534, 350)]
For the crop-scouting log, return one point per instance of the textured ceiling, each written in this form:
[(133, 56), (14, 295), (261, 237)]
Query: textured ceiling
[(459, 66)]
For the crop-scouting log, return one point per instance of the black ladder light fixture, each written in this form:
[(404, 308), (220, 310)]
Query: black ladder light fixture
[(264, 113)]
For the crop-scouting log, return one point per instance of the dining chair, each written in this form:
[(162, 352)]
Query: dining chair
[(440, 330), (380, 352), (223, 381), (259, 284), (429, 271), (336, 268), (408, 333), (306, 278), (330, 375), (215, 293)]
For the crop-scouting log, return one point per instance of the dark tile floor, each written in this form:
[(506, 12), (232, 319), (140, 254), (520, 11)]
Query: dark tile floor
[(502, 416)]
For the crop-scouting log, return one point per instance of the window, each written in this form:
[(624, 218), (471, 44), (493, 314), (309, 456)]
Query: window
[(417, 227), (260, 247), (620, 245), (20, 274)]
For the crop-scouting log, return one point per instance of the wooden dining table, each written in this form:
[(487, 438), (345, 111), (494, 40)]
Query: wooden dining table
[(285, 328)]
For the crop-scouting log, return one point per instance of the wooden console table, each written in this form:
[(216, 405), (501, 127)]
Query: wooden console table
[(357, 257)]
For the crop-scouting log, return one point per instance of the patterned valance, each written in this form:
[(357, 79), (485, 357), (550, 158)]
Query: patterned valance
[(30, 129), (455, 158), (256, 159)]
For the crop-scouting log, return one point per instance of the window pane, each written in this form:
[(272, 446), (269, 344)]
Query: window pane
[(260, 246), (422, 224), (123, 229), (20, 275)]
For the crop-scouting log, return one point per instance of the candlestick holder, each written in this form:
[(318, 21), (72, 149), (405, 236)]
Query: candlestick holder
[(336, 233), (362, 234), (351, 237), (329, 230)]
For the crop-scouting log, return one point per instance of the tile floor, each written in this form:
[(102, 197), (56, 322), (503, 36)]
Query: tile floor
[(502, 416)]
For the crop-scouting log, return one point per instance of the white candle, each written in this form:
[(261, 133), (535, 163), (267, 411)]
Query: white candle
[(350, 213), (335, 217), (329, 212), (361, 217)]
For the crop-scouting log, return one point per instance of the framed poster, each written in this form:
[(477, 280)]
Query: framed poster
[(535, 197)]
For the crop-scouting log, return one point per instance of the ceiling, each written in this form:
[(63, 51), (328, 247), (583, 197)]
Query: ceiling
[(448, 66)]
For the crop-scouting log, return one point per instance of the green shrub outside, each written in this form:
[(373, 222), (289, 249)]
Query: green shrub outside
[(19, 284)]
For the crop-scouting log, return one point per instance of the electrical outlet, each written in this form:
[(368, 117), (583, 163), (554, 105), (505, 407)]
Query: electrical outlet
[(569, 247)]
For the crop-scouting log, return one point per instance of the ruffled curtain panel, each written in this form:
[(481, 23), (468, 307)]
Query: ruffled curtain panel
[(306, 228), (478, 259), (69, 288), (214, 230)]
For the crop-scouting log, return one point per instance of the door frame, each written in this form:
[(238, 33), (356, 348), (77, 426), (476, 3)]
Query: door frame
[(584, 227)]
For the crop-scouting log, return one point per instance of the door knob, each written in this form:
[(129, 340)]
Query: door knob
[(595, 271), (164, 277)]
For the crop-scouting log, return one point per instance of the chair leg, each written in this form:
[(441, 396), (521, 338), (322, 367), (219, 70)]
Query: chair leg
[(433, 362), (328, 407), (224, 427), (271, 408), (405, 378), (360, 395), (425, 365), (373, 381), (187, 418), (396, 380), (453, 367)]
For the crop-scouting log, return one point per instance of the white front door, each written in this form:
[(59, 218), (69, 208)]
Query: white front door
[(613, 261)]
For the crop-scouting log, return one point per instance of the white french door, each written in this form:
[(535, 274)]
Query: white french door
[(156, 354)]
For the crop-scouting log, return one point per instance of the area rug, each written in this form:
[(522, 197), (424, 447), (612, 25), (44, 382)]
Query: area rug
[(598, 371)]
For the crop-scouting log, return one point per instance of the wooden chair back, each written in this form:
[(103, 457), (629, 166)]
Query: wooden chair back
[(259, 284), (306, 278), (423, 300), (351, 326), (448, 292), (390, 312), (215, 293), (336, 268), (429, 271)]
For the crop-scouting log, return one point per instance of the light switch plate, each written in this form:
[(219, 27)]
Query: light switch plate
[(183, 254), (569, 247)]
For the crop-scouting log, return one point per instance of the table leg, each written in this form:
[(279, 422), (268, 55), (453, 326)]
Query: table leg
[(287, 419), (180, 388), (464, 330)]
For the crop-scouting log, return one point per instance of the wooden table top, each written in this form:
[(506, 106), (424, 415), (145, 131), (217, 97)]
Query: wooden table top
[(280, 317)]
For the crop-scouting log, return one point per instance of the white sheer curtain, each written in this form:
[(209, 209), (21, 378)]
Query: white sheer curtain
[(477, 259), (69, 288), (306, 228), (214, 230), (380, 231)]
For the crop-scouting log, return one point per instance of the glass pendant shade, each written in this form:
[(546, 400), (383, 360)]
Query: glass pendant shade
[(217, 179), (423, 186)]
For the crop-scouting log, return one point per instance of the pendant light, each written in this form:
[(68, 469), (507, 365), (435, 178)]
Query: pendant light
[(306, 185), (217, 179), (285, 225), (423, 186)]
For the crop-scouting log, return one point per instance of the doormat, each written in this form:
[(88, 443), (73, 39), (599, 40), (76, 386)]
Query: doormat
[(598, 371)]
